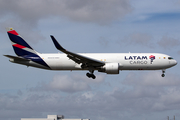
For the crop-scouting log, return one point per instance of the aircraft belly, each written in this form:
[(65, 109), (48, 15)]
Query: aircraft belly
[(61, 64), (34, 64)]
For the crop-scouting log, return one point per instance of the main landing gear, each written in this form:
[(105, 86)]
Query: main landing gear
[(163, 73), (90, 74)]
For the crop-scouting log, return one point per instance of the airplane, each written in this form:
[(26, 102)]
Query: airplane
[(109, 63)]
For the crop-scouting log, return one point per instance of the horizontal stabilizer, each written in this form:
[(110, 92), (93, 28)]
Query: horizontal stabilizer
[(16, 58)]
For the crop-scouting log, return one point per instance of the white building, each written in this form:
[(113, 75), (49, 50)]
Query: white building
[(51, 117)]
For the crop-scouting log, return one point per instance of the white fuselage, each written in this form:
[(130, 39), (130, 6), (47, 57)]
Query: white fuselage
[(127, 61), (109, 63)]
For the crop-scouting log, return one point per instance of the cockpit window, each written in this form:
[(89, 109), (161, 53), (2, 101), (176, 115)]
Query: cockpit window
[(170, 58)]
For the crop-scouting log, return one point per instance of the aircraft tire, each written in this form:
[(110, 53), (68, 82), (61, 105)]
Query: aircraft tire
[(93, 76), (163, 75), (88, 75)]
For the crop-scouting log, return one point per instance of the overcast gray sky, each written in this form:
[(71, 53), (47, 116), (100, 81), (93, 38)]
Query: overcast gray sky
[(96, 26)]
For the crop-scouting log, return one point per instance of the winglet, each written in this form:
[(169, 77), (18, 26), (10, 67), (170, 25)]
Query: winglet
[(58, 46)]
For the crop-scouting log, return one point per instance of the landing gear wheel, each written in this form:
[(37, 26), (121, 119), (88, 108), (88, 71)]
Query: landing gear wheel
[(163, 75), (89, 75), (93, 76)]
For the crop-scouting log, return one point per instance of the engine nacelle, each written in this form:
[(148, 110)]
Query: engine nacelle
[(110, 68)]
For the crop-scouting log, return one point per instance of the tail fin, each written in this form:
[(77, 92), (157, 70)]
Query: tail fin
[(21, 48)]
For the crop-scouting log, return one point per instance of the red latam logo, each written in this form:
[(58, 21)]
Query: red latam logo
[(152, 57)]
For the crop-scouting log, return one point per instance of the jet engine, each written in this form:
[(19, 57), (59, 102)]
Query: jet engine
[(110, 68)]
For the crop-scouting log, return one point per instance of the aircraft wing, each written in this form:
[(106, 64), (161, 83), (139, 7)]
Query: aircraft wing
[(77, 57), (16, 58)]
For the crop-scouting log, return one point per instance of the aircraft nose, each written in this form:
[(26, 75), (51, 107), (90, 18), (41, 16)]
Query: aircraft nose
[(175, 62)]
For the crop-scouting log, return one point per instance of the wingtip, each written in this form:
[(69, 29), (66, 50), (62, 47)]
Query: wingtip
[(5, 55)]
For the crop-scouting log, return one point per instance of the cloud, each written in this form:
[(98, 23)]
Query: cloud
[(160, 94), (103, 41), (178, 52), (69, 84), (25, 15), (98, 11), (142, 39), (168, 42), (152, 79), (101, 11), (138, 95), (27, 31)]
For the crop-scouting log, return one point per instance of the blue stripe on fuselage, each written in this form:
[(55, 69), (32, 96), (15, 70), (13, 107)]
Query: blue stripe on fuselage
[(35, 58)]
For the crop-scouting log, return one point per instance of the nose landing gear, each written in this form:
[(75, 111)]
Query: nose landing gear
[(163, 73)]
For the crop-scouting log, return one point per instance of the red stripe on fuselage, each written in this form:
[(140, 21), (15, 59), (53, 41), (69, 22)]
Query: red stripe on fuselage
[(13, 32), (19, 46)]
